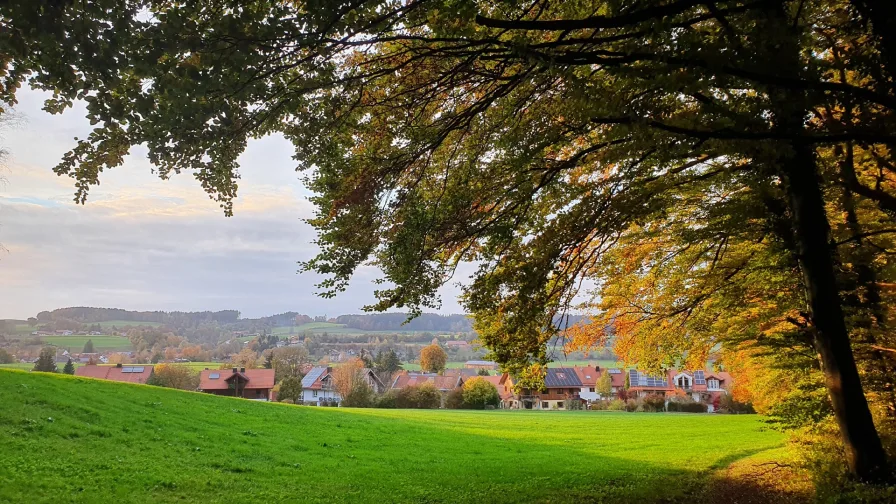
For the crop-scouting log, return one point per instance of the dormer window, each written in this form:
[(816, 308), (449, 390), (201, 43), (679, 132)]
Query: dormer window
[(683, 381), (713, 384)]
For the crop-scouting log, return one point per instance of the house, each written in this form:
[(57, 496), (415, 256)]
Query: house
[(481, 364), (318, 385), (443, 383), (590, 375), (120, 373), (255, 384), (560, 384), (458, 345), (86, 358), (701, 385)]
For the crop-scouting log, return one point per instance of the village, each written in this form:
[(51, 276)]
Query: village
[(565, 388)]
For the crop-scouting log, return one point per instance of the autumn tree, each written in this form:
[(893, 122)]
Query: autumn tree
[(289, 361), (246, 358), (178, 376), (531, 138), (348, 377), (433, 358), (46, 361)]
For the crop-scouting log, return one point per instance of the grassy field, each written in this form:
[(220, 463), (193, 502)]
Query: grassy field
[(100, 343), (84, 440)]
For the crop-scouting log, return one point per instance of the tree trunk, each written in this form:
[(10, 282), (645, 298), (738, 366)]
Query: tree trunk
[(864, 452), (882, 16)]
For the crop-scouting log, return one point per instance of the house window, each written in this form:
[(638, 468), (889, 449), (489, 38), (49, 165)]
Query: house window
[(544, 405), (314, 393), (683, 382), (591, 389), (560, 404), (712, 383)]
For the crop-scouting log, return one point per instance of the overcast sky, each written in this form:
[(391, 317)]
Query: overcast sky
[(141, 243)]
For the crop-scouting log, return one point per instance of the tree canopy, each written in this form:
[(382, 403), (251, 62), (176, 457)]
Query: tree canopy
[(721, 170)]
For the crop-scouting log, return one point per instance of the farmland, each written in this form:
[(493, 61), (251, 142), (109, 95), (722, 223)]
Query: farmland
[(100, 343), (95, 441)]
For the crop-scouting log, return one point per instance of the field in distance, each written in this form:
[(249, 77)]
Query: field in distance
[(97, 441), (330, 328)]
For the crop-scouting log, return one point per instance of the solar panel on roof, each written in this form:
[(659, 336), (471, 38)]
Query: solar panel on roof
[(615, 371), (214, 376), (312, 376), (699, 378), (138, 369)]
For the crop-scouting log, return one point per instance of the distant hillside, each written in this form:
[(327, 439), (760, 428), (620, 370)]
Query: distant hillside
[(431, 322), (89, 315)]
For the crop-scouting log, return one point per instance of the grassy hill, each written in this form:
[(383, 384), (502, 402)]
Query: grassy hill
[(79, 440)]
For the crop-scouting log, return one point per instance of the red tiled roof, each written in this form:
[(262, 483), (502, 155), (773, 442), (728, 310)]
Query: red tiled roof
[(115, 373), (500, 383), (257, 379), (588, 375)]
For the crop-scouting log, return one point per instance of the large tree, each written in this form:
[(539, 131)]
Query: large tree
[(529, 137)]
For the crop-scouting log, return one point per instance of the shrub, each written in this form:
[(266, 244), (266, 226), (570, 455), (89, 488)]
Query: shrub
[(616, 405), (6, 357), (361, 396), (422, 397), (600, 405), (573, 404), (387, 400), (727, 404), (455, 399), (287, 401), (479, 393), (653, 402), (176, 376), (631, 405)]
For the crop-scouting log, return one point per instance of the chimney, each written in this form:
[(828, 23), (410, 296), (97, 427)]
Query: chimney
[(118, 365), (235, 370), (242, 370), (206, 369)]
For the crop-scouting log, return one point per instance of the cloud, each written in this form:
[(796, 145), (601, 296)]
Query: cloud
[(147, 244)]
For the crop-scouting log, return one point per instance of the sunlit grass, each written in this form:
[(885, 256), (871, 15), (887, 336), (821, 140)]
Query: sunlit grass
[(83, 440)]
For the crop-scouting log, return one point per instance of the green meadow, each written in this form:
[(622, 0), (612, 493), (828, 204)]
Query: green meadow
[(72, 439), (100, 343)]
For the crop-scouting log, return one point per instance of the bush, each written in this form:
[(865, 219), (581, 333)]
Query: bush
[(287, 401), (479, 393), (616, 405), (600, 405), (361, 396), (421, 397), (727, 404), (455, 399), (653, 402), (573, 404), (387, 400), (631, 405), (686, 406)]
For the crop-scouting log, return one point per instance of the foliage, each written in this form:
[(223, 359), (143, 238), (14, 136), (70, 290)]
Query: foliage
[(616, 405), (177, 376), (289, 361), (388, 400), (708, 168), (386, 364), (88, 347), (604, 385), (349, 377), (361, 396), (424, 396), (46, 362), (454, 399), (6, 357), (572, 404), (290, 389), (69, 368), (479, 393), (246, 358), (433, 358), (601, 405)]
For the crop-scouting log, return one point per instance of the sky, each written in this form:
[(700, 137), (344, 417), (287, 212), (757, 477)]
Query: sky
[(141, 243)]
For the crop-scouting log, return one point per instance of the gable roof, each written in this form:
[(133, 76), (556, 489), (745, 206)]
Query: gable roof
[(588, 375), (217, 379), (136, 373), (562, 377)]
